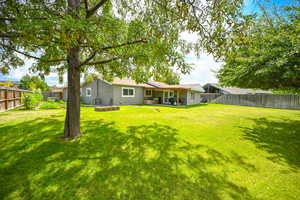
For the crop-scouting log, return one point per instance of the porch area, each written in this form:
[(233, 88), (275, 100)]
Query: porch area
[(159, 96)]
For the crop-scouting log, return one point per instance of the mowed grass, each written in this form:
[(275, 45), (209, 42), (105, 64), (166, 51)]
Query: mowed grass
[(204, 152)]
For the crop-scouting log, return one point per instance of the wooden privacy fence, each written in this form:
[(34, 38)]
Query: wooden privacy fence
[(283, 101), (10, 98)]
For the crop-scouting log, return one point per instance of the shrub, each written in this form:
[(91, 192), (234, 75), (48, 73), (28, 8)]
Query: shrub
[(61, 102), (31, 101)]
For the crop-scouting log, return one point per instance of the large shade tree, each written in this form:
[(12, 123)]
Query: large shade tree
[(117, 38), (267, 55)]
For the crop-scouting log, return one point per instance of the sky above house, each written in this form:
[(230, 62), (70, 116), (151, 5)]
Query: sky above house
[(204, 65)]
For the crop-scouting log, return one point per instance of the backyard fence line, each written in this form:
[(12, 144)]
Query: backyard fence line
[(10, 98), (282, 101)]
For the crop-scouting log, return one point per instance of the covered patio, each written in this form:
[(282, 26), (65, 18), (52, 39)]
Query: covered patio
[(166, 96)]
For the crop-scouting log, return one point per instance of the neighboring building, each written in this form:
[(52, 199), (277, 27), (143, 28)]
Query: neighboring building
[(127, 91), (215, 88), (56, 93)]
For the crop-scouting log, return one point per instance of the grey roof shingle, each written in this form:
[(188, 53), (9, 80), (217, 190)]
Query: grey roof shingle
[(235, 90)]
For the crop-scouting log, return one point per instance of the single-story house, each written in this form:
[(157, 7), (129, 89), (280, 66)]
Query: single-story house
[(215, 88), (127, 91)]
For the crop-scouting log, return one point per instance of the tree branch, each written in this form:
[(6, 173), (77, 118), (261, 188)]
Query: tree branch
[(103, 61), (88, 59), (95, 8), (111, 47), (30, 56), (86, 6), (125, 44), (111, 59), (6, 35)]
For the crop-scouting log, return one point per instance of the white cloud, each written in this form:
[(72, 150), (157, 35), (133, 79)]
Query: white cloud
[(17, 74), (53, 79), (203, 65), (203, 69), (189, 36)]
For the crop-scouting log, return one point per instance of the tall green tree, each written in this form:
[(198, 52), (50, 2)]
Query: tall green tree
[(267, 55), (90, 77), (28, 82), (170, 77), (117, 38)]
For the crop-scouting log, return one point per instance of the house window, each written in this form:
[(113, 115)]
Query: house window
[(128, 92), (88, 92), (148, 93), (193, 96)]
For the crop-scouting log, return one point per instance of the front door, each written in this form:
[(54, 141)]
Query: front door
[(167, 95)]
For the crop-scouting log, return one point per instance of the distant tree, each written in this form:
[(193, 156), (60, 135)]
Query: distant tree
[(7, 83), (170, 77), (28, 82), (267, 56), (88, 78), (117, 38)]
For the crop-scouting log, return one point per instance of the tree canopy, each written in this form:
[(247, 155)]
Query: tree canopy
[(116, 38), (28, 82), (170, 77), (267, 56), (90, 77)]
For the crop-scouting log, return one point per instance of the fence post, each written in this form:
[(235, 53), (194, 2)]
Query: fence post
[(6, 101), (14, 98), (21, 95)]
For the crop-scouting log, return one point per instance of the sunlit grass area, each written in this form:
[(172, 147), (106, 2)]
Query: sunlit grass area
[(204, 152)]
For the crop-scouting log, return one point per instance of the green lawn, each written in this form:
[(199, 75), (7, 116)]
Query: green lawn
[(205, 152)]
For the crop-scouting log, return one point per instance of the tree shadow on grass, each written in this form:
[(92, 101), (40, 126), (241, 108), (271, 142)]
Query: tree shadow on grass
[(193, 106), (180, 106), (144, 162), (280, 138)]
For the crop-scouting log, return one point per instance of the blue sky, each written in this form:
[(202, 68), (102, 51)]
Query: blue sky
[(252, 6), (16, 75), (203, 65)]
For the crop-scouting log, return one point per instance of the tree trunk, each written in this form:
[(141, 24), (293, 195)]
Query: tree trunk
[(72, 123)]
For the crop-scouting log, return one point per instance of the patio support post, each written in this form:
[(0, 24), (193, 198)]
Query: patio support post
[(177, 99)]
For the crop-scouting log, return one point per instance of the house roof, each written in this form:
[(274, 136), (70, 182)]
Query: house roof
[(194, 87), (154, 84), (235, 90), (157, 84), (128, 82)]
